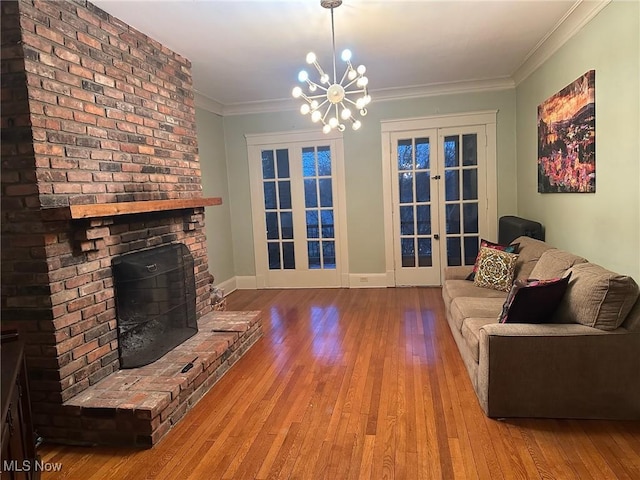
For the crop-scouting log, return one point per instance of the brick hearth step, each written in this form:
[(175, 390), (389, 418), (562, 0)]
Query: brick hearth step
[(138, 406)]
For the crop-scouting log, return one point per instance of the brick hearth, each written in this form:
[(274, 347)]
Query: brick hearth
[(138, 406), (94, 114)]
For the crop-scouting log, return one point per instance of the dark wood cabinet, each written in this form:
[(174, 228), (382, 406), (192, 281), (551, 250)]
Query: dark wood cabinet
[(19, 458)]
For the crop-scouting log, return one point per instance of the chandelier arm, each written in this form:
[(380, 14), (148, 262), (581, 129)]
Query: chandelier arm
[(344, 75)]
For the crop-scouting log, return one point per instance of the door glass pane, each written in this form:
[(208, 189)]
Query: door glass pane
[(327, 223), (274, 255), (313, 229), (282, 158), (308, 162), (423, 152), (284, 188), (425, 258), (324, 161), (268, 168), (470, 184), (288, 257), (452, 185), (452, 218), (470, 149), (329, 254), (470, 250), (406, 187), (313, 253), (451, 151), (272, 225), (408, 249), (454, 256), (423, 188), (286, 221), (405, 154), (270, 195), (423, 219), (470, 214), (406, 221), (310, 193), (326, 197)]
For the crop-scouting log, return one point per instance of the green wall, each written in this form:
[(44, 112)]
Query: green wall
[(363, 167), (604, 227), (213, 162)]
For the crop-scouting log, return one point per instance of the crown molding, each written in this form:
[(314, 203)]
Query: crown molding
[(289, 104), (578, 16), (582, 12), (207, 103)]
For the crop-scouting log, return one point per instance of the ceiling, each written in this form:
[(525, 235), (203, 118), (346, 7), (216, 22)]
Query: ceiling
[(246, 55)]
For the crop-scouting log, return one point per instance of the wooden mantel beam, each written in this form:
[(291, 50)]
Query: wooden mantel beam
[(98, 210)]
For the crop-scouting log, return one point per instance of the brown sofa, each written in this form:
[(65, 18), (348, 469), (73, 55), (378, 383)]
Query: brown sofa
[(584, 362)]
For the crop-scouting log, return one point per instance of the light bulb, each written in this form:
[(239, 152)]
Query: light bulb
[(360, 103), (341, 127), (312, 87), (363, 112), (326, 129), (316, 116), (361, 69), (311, 57), (346, 55), (356, 125), (296, 92), (333, 122), (367, 99), (314, 104), (324, 78), (352, 74), (346, 113), (362, 82), (304, 108), (303, 76)]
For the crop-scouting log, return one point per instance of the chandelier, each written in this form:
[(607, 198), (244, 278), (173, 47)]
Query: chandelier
[(338, 97)]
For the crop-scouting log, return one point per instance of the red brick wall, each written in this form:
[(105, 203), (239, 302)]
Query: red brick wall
[(93, 111)]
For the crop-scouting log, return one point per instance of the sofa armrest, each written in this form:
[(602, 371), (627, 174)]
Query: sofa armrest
[(559, 371), (457, 273)]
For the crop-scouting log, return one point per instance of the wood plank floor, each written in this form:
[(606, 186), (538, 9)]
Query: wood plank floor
[(356, 384)]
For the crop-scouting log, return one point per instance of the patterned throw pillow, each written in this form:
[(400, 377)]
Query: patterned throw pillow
[(496, 269), (513, 248), (533, 301)]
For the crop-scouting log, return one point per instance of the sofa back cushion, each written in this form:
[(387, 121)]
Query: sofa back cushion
[(553, 263), (597, 297), (529, 251)]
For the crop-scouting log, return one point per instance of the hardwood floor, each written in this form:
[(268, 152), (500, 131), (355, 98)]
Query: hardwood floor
[(356, 384)]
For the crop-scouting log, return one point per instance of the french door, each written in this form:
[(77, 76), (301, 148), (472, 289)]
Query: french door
[(298, 210), (439, 199)]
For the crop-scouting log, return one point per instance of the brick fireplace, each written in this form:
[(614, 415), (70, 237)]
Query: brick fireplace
[(99, 158)]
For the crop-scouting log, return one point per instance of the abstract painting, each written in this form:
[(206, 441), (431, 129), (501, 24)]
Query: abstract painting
[(567, 139)]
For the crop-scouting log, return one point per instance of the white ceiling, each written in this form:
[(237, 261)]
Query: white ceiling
[(246, 54)]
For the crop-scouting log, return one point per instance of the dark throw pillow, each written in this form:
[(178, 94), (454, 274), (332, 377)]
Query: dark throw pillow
[(533, 301), (513, 248)]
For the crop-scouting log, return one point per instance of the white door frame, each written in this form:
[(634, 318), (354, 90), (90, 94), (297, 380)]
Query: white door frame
[(486, 118), (302, 138)]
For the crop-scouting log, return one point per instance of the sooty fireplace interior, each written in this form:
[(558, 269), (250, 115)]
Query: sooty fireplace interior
[(155, 302)]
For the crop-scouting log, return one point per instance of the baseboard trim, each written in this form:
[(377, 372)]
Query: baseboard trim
[(228, 286), (368, 280), (246, 283)]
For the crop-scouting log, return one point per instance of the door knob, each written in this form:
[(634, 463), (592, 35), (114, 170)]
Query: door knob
[(436, 236)]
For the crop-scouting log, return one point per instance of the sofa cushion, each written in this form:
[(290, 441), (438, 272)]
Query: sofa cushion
[(471, 333), (529, 253), (513, 248), (597, 297), (453, 289), (553, 263), (533, 301), (495, 269), (474, 307)]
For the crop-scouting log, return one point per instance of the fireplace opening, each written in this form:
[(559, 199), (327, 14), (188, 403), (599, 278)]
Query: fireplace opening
[(155, 302)]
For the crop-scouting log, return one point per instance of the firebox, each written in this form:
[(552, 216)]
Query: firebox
[(155, 302)]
